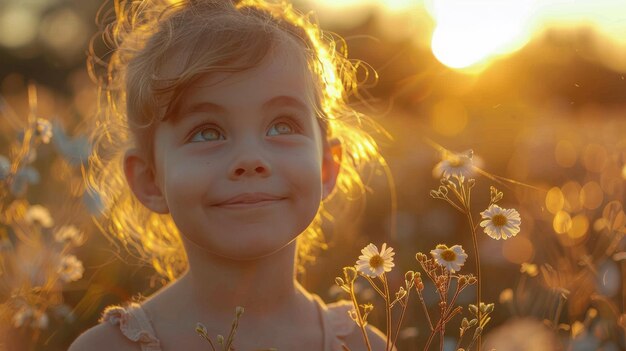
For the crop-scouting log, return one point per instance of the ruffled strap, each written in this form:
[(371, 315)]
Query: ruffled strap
[(337, 324), (134, 324)]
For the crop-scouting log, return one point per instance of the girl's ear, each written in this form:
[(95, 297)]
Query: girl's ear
[(331, 164), (141, 179)]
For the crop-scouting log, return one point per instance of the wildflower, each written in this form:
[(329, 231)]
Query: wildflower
[(374, 263), (68, 233), (40, 321), (201, 329), (38, 214), (506, 295), (22, 316), (238, 311), (451, 258), (530, 269), (44, 130), (452, 164), (5, 167), (75, 150), (500, 223), (23, 177), (70, 268)]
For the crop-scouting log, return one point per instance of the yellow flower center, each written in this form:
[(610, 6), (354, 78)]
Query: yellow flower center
[(499, 220), (376, 261), (448, 255)]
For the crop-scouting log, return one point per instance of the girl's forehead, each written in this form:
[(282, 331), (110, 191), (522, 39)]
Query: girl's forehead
[(283, 71)]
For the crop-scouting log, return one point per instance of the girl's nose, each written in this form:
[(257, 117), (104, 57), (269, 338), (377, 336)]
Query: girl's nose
[(250, 166)]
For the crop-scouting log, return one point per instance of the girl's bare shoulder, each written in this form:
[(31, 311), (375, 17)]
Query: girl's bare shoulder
[(103, 336)]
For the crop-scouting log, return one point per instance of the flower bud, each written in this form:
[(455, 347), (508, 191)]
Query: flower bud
[(339, 281), (220, 339), (353, 315), (201, 329), (238, 311), (367, 308), (420, 257), (401, 293), (443, 190), (462, 280), (409, 276), (349, 274)]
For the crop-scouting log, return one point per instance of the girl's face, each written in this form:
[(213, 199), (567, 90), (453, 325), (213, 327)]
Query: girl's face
[(240, 166)]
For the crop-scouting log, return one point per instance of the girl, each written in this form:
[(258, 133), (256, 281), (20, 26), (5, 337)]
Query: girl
[(224, 132)]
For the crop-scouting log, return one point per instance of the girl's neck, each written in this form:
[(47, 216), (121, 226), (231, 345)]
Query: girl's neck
[(262, 286)]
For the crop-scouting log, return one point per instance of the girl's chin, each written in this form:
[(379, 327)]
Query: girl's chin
[(252, 250)]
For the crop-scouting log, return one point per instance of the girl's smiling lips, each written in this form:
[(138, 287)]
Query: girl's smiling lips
[(249, 200)]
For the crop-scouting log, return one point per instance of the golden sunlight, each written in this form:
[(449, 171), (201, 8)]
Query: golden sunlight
[(470, 35), (470, 32)]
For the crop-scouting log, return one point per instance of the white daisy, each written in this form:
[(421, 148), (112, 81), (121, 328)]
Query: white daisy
[(451, 258), (70, 268), (373, 262), (44, 130), (500, 223), (22, 317), (459, 165), (40, 321), (39, 215), (68, 233)]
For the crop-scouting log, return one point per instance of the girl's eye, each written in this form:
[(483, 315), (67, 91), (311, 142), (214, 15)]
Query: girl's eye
[(281, 128), (207, 134)]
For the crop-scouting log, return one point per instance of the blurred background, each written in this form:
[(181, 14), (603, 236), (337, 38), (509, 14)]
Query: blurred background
[(536, 88)]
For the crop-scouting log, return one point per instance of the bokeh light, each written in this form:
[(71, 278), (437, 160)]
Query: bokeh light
[(562, 222), (519, 250), (554, 200), (579, 227), (594, 157), (565, 154), (591, 195), (571, 194), (18, 25), (64, 31)]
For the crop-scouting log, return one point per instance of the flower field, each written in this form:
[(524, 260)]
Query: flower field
[(498, 222)]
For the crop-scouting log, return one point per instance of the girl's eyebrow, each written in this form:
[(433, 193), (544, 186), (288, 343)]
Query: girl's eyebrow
[(210, 107), (197, 107), (286, 100)]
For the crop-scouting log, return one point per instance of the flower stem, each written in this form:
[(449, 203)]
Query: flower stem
[(388, 310), (406, 303), (360, 319), (475, 245), (373, 284), (430, 323)]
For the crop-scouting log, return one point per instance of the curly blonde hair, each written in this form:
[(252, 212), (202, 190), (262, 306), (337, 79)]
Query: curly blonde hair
[(211, 36)]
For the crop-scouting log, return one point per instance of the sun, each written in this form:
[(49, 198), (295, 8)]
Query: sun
[(471, 33)]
